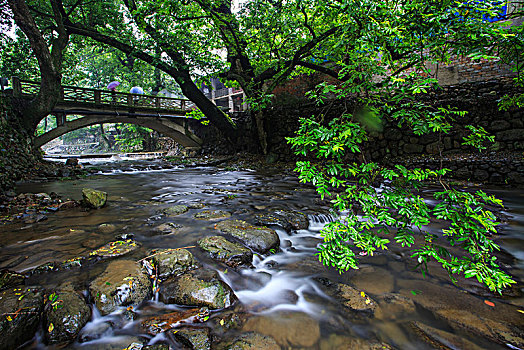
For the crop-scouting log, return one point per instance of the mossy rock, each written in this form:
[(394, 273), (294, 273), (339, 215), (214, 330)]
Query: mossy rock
[(176, 210), (259, 238), (194, 338), (232, 254), (251, 341), (123, 283), (212, 215), (67, 313), (94, 198), (272, 219), (197, 288), (173, 261), (296, 219)]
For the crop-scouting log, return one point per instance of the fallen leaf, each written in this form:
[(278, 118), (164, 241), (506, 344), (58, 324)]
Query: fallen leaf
[(51, 327), (487, 302), (362, 294), (521, 311)]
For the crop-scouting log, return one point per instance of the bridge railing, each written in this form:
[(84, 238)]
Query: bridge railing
[(105, 97)]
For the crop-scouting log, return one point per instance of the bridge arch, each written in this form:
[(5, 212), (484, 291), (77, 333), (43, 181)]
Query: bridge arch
[(176, 129)]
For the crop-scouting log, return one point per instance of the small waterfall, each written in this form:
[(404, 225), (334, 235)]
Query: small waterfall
[(318, 221)]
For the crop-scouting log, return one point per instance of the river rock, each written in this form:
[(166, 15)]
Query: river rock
[(212, 215), (194, 338), (464, 312), (168, 228), (232, 254), (93, 331), (259, 238), (197, 288), (106, 228), (266, 219), (161, 323), (440, 339), (94, 198), (375, 281), (289, 329), (354, 299), (251, 341), (173, 262), (341, 342), (123, 283), (65, 315), (176, 210), (116, 248), (394, 305), (296, 219), (20, 312), (10, 279)]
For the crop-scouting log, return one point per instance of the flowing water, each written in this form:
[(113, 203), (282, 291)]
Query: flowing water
[(291, 282)]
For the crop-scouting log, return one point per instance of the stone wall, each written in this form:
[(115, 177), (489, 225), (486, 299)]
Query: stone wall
[(501, 163)]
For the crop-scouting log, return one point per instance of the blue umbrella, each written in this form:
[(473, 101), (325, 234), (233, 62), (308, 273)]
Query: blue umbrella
[(137, 90)]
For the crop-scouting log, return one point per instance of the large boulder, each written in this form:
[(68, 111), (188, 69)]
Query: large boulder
[(67, 313), (123, 283), (173, 262), (259, 238), (197, 288), (94, 198), (20, 311), (232, 254)]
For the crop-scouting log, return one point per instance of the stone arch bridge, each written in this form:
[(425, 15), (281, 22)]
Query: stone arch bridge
[(162, 114)]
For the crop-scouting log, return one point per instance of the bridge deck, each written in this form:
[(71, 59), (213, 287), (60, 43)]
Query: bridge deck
[(81, 100)]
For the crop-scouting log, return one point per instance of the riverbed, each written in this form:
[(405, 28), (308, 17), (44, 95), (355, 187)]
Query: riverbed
[(285, 294)]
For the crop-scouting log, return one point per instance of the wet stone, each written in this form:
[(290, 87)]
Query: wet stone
[(394, 305), (20, 311), (267, 219), (9, 279), (341, 342), (94, 198), (175, 210), (440, 339), (294, 329), (197, 288), (354, 299), (259, 238), (94, 331), (168, 228), (194, 338), (121, 284), (173, 261), (116, 248), (65, 315), (212, 215), (157, 324), (296, 219), (232, 254), (106, 228), (251, 341)]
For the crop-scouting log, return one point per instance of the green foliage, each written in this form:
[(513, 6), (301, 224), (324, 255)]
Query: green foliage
[(385, 76), (197, 114)]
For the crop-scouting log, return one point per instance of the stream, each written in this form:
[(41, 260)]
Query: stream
[(288, 296)]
